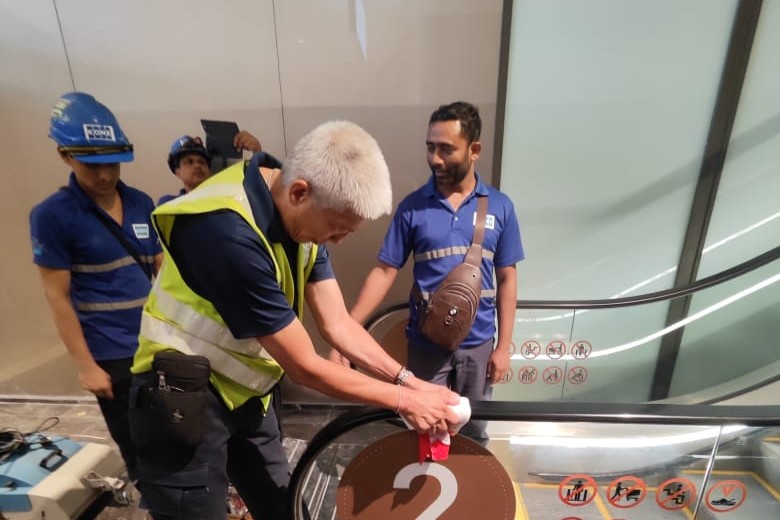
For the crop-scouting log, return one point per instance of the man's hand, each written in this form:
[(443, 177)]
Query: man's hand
[(338, 358), (498, 365), (429, 412), (96, 380), (246, 141)]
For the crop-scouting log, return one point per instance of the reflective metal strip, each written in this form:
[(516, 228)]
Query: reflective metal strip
[(448, 251), (485, 293), (221, 361), (205, 328), (111, 306)]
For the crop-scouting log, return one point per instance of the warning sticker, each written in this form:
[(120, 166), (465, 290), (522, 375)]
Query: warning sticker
[(507, 377), (577, 375), (675, 493), (552, 375), (527, 374), (556, 349), (577, 490), (581, 349), (627, 491), (530, 349), (725, 495)]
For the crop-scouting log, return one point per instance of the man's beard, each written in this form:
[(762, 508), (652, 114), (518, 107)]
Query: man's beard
[(453, 175)]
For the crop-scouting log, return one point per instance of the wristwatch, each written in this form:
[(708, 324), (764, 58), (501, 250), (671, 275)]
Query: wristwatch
[(402, 376)]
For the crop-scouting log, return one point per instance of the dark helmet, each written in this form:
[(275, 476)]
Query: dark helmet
[(184, 145), (86, 129)]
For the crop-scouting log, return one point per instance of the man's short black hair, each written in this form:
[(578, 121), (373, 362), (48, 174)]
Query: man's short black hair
[(466, 113)]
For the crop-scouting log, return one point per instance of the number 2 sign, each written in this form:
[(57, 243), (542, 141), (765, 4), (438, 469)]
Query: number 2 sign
[(386, 481)]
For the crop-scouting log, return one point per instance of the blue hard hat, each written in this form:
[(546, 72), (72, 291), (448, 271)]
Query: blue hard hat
[(87, 130), (184, 145)]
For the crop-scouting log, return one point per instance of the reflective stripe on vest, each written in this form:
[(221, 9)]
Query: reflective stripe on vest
[(221, 361), (177, 317)]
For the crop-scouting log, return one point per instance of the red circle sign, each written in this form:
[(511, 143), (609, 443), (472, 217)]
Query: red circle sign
[(577, 490), (527, 374), (552, 375), (721, 497), (627, 491), (675, 493), (556, 349), (530, 349), (581, 349), (577, 375)]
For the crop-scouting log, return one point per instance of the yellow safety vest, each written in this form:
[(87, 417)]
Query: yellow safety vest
[(175, 317)]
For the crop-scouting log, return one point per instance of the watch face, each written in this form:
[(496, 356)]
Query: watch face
[(387, 481)]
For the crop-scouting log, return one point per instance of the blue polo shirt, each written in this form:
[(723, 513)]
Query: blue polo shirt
[(165, 198), (107, 287), (223, 260), (426, 226)]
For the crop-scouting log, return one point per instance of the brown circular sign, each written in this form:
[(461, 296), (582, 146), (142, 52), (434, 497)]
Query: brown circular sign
[(387, 482)]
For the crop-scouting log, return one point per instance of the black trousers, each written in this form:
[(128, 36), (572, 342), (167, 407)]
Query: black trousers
[(115, 410), (242, 446)]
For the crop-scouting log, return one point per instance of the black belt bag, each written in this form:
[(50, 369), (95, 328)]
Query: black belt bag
[(171, 412)]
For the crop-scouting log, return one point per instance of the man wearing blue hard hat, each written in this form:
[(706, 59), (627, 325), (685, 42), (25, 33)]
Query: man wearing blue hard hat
[(97, 252), (190, 161)]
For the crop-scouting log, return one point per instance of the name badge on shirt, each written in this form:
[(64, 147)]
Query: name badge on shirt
[(141, 230), (490, 221)]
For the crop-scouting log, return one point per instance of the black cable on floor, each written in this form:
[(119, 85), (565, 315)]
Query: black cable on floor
[(13, 439)]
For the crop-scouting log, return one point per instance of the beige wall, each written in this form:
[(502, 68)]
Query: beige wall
[(277, 68)]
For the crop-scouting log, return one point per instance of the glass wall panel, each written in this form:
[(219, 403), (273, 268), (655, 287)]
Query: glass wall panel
[(737, 337), (746, 216), (608, 105)]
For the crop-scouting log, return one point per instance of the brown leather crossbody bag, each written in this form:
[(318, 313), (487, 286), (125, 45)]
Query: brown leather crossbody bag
[(446, 318)]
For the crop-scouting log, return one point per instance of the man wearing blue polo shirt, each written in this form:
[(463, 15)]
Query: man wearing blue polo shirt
[(96, 252), (436, 223)]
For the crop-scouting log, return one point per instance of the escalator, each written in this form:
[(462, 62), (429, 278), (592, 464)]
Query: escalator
[(575, 429)]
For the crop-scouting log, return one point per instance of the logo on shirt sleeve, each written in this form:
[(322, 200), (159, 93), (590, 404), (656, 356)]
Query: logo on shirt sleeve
[(37, 247), (490, 221), (141, 230)]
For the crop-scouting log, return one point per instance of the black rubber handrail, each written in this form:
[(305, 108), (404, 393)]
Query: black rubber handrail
[(667, 294), (615, 413)]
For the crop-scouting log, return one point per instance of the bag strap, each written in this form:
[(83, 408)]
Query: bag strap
[(474, 253), (111, 225)]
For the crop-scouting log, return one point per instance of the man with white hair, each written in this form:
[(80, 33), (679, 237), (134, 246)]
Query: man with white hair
[(223, 324)]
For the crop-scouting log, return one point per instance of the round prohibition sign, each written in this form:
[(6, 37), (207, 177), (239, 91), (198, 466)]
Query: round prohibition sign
[(675, 493), (556, 349), (577, 375), (581, 349), (507, 377), (552, 375), (627, 491), (725, 500), (530, 349), (577, 490), (527, 374)]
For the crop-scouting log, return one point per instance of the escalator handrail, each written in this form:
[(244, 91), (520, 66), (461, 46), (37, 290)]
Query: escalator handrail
[(667, 294), (615, 413)]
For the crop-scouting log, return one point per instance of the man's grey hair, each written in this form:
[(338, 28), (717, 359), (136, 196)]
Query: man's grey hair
[(345, 169)]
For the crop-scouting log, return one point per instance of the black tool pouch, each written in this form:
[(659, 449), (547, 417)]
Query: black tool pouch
[(171, 413)]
